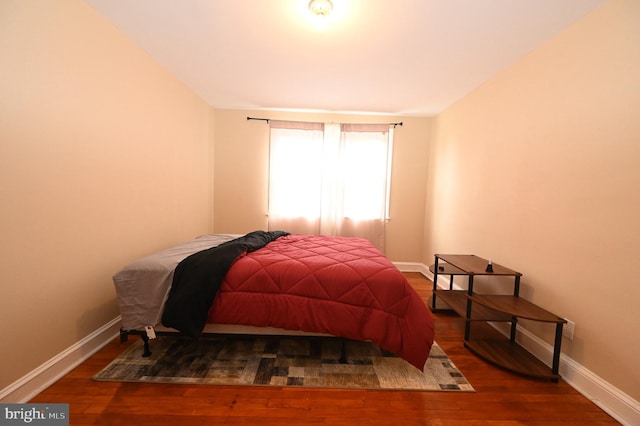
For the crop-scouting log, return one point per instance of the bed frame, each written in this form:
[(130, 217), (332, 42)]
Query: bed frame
[(224, 329)]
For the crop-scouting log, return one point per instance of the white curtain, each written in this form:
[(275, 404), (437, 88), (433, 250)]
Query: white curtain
[(330, 179)]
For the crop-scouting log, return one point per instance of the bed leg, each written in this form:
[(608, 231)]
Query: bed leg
[(145, 339), (343, 352)]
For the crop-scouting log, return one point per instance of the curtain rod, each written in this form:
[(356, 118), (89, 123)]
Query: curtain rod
[(268, 119)]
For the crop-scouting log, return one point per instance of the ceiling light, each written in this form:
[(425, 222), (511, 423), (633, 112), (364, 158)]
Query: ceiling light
[(321, 7), (320, 11)]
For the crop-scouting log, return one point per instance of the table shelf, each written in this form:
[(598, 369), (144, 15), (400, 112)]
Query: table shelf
[(515, 307), (457, 301), (494, 348)]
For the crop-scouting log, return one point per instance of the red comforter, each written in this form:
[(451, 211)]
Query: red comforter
[(336, 285)]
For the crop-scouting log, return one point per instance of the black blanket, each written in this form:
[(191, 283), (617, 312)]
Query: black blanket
[(197, 278)]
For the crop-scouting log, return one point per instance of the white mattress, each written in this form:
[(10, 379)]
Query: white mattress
[(143, 286)]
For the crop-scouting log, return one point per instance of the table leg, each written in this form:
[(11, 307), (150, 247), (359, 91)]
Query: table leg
[(555, 369), (435, 283), (467, 324)]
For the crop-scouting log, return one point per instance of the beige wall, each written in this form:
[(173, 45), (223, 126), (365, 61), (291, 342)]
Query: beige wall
[(539, 170), (241, 152), (104, 157)]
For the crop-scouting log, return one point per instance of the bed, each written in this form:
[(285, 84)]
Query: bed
[(275, 283)]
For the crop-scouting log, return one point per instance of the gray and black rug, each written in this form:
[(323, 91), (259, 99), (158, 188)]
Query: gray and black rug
[(281, 361)]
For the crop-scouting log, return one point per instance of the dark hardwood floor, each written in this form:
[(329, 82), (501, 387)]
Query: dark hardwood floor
[(501, 398)]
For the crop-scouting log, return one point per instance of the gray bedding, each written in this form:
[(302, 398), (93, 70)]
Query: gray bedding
[(142, 286)]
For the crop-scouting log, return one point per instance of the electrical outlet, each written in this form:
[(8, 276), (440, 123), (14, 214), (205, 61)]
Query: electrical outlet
[(568, 329)]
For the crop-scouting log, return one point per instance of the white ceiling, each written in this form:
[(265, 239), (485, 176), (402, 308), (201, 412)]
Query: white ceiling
[(405, 57)]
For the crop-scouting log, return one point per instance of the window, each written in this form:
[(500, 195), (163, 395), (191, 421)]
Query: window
[(330, 179)]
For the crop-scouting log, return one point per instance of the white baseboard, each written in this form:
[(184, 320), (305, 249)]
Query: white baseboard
[(610, 399), (25, 388), (412, 267)]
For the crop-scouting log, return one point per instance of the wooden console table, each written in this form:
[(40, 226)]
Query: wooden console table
[(483, 308)]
